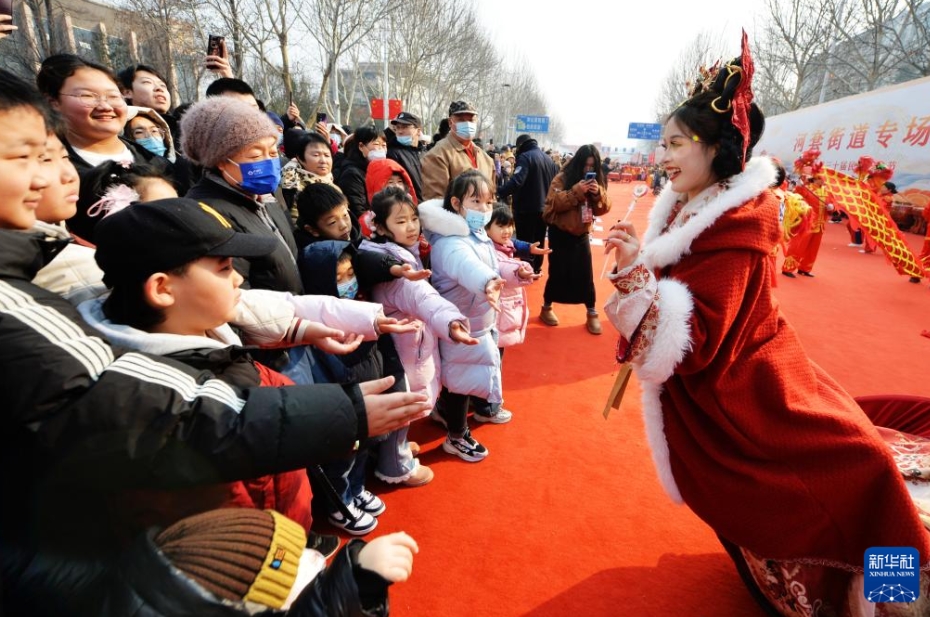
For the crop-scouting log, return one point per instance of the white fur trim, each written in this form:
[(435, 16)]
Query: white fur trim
[(438, 220), (672, 338), (655, 435), (663, 249)]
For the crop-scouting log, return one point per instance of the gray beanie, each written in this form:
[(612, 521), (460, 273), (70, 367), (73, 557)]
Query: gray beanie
[(216, 128)]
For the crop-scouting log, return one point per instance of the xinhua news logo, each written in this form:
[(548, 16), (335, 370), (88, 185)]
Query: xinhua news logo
[(892, 574)]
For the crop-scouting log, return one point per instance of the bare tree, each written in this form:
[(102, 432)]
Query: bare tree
[(789, 52), (337, 26), (703, 50), (863, 58), (911, 38)]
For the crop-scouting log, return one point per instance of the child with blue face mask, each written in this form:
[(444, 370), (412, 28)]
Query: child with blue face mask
[(327, 267), (465, 272)]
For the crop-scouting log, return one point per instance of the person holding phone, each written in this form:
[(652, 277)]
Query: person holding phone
[(217, 59), (577, 194)]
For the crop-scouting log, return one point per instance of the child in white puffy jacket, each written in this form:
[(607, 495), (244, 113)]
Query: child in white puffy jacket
[(465, 272)]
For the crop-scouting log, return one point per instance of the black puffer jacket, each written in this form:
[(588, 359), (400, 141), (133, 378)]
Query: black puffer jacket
[(531, 178), (81, 419), (349, 176), (277, 271), (409, 159)]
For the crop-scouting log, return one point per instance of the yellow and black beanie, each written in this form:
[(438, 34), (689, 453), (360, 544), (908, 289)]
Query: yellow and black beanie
[(237, 554)]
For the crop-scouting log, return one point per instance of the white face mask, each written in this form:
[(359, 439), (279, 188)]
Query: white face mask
[(377, 155), (336, 137)]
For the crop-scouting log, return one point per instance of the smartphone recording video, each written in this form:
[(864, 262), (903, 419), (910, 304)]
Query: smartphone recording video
[(216, 45)]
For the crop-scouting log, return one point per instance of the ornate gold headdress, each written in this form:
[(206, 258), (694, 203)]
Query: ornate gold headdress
[(737, 100)]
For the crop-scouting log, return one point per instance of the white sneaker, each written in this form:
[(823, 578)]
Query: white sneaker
[(465, 447), (366, 501), (502, 416), (360, 524)]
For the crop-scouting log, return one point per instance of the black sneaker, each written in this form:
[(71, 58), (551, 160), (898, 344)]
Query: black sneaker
[(325, 544), (805, 273), (465, 447)]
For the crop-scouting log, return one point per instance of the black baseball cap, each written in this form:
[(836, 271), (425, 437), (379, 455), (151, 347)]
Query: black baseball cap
[(405, 117), (163, 235)]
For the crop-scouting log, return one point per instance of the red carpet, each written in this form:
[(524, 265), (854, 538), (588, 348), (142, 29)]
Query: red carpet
[(566, 517)]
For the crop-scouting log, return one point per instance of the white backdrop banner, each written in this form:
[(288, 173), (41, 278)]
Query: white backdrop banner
[(892, 125)]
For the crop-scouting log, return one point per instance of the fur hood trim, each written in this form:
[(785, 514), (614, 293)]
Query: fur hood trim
[(655, 435), (437, 220), (663, 249)]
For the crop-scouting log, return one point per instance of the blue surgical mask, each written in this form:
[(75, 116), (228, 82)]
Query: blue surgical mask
[(349, 289), (466, 130), (260, 177), (155, 145), (405, 140), (477, 221), (280, 140)]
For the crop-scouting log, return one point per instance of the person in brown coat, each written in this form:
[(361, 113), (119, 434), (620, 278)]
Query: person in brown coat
[(577, 195), (455, 153)]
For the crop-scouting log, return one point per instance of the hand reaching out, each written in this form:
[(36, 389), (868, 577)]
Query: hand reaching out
[(493, 293), (386, 325), (458, 332), (389, 412), (536, 250), (331, 340), (391, 556), (408, 272), (527, 273)]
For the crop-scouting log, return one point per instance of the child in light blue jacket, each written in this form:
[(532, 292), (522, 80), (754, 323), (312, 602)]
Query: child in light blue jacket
[(465, 272)]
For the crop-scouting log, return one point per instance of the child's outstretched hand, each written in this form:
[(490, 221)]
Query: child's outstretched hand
[(458, 332), (493, 293), (409, 273), (526, 272), (391, 556), (535, 250), (389, 412), (331, 340), (385, 325)]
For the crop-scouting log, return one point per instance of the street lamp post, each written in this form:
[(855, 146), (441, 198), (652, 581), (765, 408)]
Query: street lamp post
[(507, 114)]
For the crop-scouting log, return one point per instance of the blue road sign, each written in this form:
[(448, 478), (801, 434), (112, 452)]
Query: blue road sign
[(532, 124), (645, 130)]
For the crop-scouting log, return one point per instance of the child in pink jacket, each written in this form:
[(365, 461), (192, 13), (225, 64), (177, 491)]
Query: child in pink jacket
[(514, 314), (396, 232)]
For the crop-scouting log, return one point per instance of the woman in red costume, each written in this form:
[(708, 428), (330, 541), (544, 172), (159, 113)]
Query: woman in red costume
[(744, 428)]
